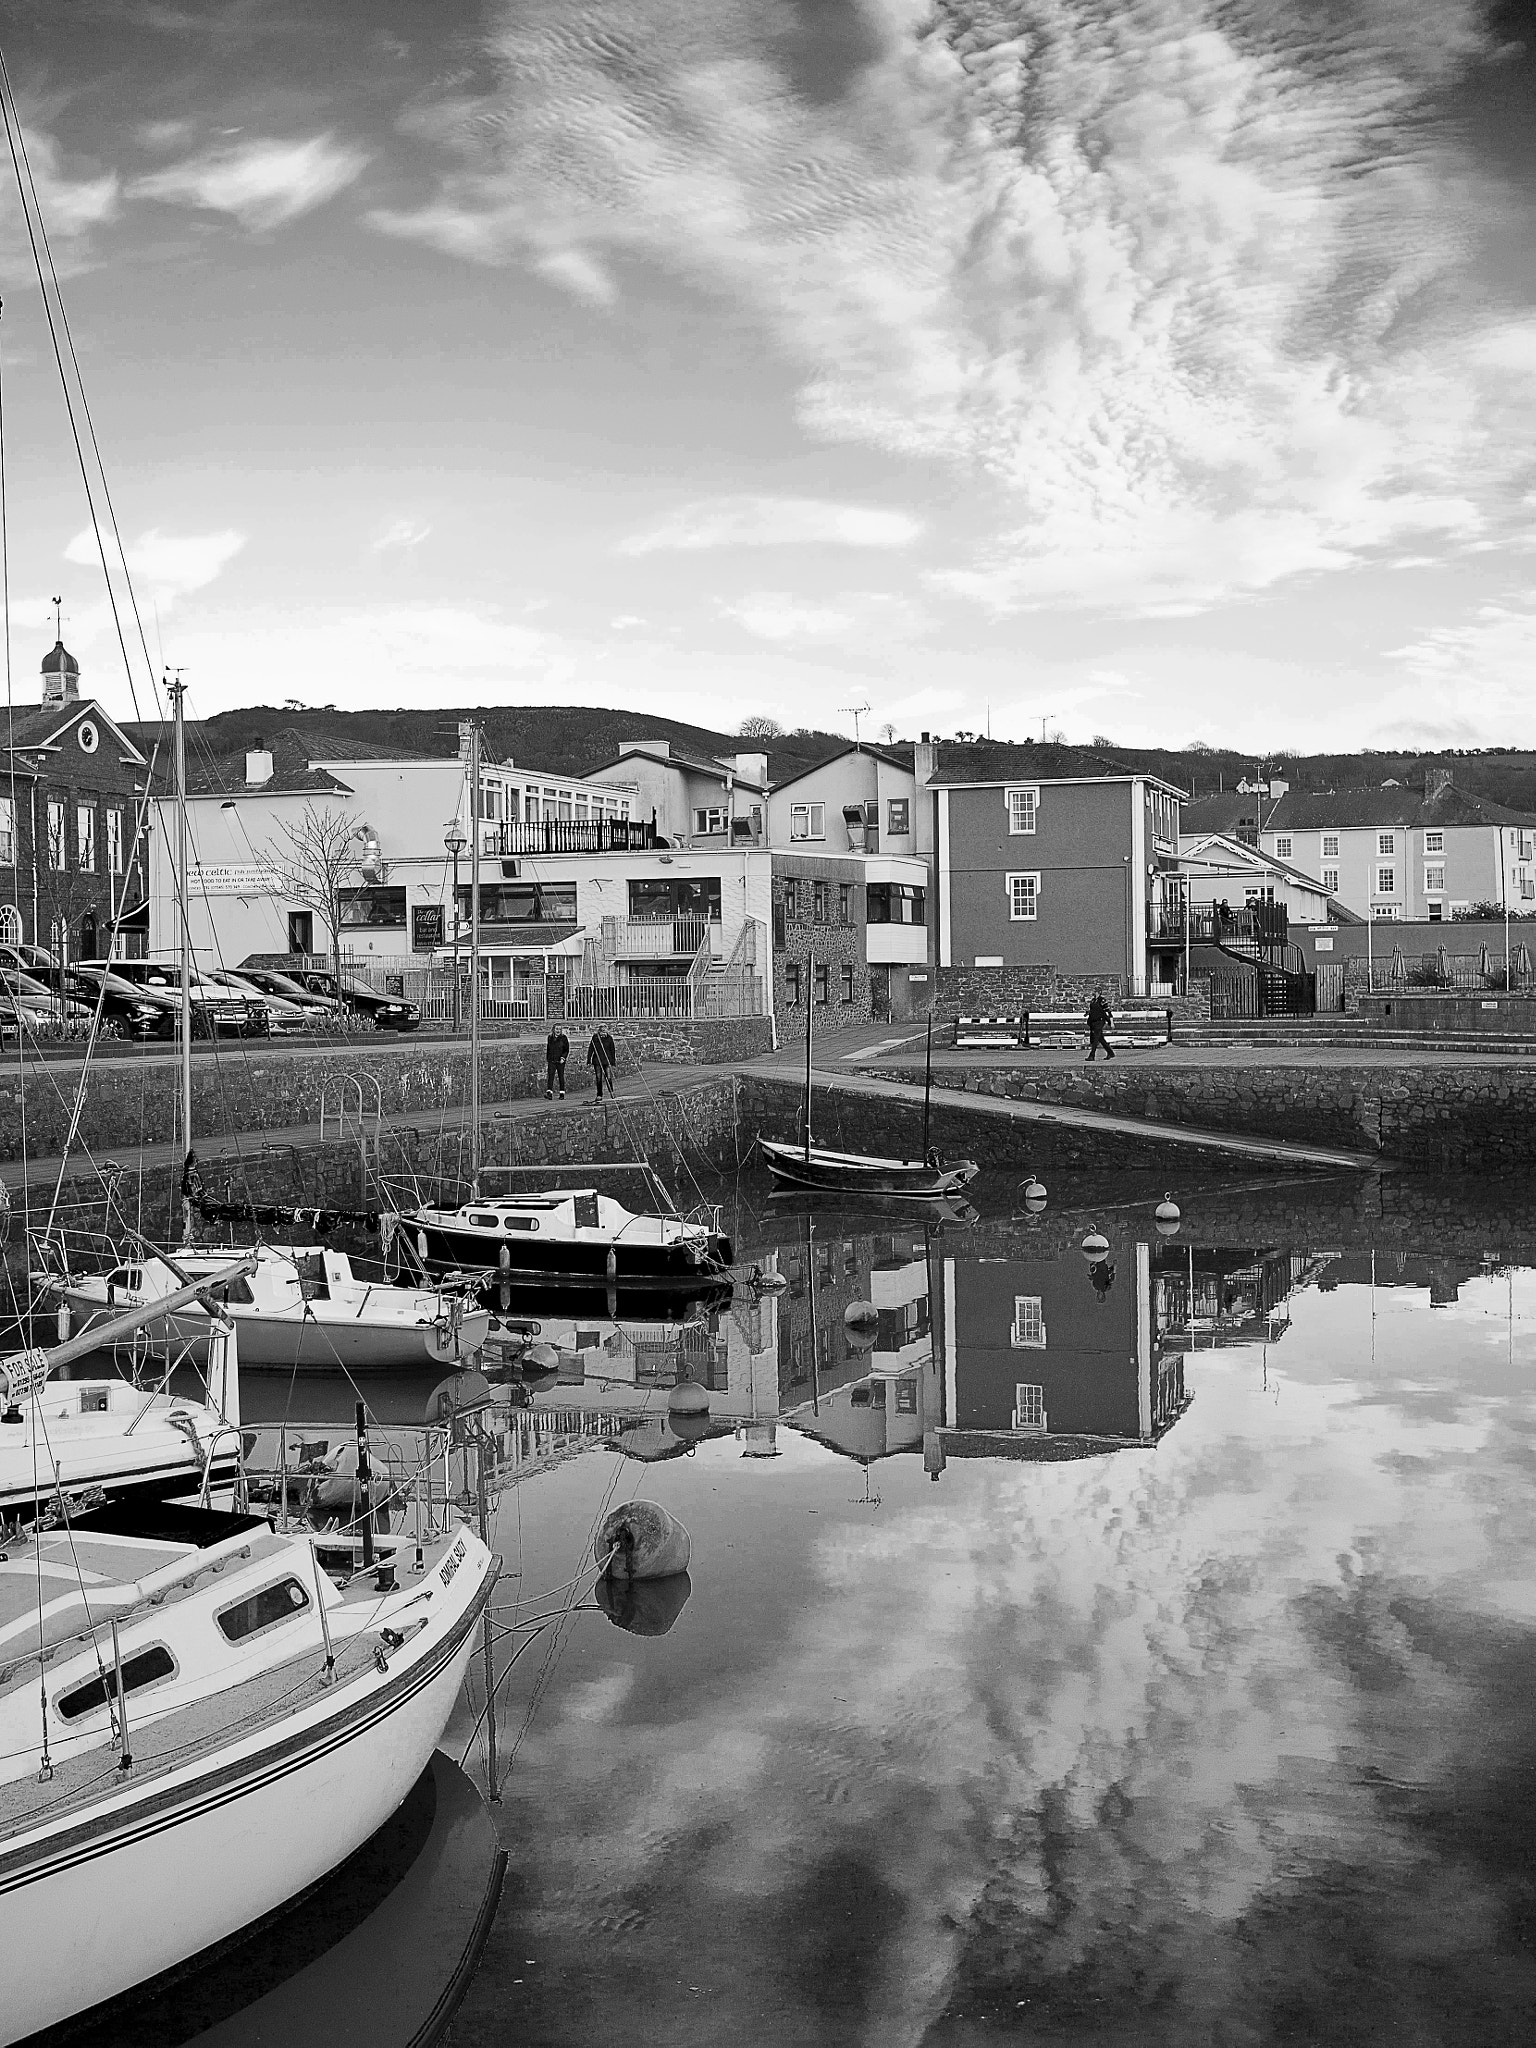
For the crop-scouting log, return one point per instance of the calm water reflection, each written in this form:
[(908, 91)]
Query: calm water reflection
[(1199, 1708)]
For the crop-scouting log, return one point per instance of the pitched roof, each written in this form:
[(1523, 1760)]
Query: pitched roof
[(987, 761), (1220, 813), (677, 757), (321, 746), (898, 756), (1256, 859), (1313, 811), (224, 774), (40, 725)]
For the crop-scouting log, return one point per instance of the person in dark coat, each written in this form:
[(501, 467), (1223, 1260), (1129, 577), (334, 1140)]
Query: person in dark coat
[(602, 1058), (557, 1050), (1099, 1021)]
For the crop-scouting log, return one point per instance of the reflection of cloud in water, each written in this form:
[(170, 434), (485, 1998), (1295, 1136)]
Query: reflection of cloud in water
[(1121, 1717)]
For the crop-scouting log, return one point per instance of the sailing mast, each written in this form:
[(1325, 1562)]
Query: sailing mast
[(927, 1082), (810, 1012), (474, 963), (177, 691)]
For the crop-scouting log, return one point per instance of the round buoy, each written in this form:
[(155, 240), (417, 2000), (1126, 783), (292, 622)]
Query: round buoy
[(768, 1283), (1034, 1193), (688, 1398), (690, 1428), (1095, 1246), (539, 1360), (1167, 1216), (860, 1314), (642, 1541)]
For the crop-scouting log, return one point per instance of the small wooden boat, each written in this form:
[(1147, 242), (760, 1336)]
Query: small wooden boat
[(821, 1169), (565, 1236)]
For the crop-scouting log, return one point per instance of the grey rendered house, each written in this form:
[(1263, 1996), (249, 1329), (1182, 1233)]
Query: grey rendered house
[(1049, 860), (1403, 854)]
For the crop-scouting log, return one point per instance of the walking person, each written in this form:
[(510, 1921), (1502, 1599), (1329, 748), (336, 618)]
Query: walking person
[(1099, 1021), (557, 1050), (602, 1058)]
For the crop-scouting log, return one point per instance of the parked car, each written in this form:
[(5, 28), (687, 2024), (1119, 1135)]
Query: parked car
[(285, 1014), (214, 1009), (267, 982), (389, 1013), (135, 1012), (32, 994)]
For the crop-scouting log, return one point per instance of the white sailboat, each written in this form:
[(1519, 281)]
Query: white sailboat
[(197, 1723)]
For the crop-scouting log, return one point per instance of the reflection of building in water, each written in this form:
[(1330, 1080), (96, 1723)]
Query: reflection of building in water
[(1037, 1354), (1229, 1294), (1442, 1276), (880, 1389)]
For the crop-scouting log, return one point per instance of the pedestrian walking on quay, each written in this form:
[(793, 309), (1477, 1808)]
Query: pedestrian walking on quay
[(1099, 1021), (602, 1058), (557, 1050)]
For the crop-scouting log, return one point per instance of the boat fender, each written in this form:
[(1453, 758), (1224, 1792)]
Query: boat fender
[(688, 1398), (63, 1320), (504, 1258), (642, 1541), (421, 1246), (611, 1265), (860, 1314)]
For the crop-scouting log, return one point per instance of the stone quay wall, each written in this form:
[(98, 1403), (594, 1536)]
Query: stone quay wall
[(135, 1100), (682, 1132), (1447, 1116), (1007, 991)]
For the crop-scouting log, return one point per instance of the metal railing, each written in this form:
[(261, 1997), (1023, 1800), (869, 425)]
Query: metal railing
[(571, 835), (660, 938), (1254, 924)]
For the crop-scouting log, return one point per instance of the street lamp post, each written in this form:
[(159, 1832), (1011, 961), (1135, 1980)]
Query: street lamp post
[(455, 842)]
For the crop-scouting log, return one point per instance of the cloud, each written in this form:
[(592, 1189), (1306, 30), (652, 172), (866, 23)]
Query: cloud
[(167, 565), (406, 534), (776, 615), (1186, 282), (755, 522), (262, 184)]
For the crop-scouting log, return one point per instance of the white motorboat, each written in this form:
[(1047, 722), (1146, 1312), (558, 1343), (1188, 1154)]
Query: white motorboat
[(74, 1436), (196, 1724), (566, 1236), (298, 1307)]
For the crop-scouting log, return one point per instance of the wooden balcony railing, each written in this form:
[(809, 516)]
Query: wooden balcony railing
[(571, 835)]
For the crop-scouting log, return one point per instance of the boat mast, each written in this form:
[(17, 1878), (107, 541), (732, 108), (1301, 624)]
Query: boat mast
[(474, 963), (927, 1084), (810, 1012), (178, 691)]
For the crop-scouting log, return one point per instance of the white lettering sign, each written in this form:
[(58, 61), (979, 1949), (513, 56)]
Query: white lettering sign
[(247, 878)]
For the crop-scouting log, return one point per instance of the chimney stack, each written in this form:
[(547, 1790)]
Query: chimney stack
[(258, 766), (1436, 782)]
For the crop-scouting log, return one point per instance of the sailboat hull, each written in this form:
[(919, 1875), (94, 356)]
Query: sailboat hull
[(818, 1167)]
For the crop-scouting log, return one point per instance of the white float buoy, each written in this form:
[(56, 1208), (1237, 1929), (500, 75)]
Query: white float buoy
[(1095, 1246), (642, 1541), (688, 1398), (1167, 1216), (768, 1283), (1034, 1193), (860, 1314)]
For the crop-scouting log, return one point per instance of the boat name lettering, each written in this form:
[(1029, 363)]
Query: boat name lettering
[(452, 1562)]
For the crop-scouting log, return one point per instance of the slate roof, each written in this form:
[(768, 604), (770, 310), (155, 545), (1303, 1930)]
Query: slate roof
[(692, 764), (1333, 810), (1223, 814), (39, 725), (224, 775), (986, 761)]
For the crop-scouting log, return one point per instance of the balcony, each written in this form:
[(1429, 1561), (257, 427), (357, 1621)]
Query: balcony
[(660, 938), (1252, 924), (570, 835)]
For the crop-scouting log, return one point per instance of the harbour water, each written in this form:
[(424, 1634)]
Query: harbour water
[(1227, 1738), (1075, 1649)]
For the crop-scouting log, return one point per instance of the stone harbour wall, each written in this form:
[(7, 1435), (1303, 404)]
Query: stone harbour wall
[(134, 1100), (1006, 991), (1448, 1116)]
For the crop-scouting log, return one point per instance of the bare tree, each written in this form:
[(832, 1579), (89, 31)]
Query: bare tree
[(760, 727), (314, 856), (888, 733)]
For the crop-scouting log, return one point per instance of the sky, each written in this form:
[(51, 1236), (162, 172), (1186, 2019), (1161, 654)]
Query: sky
[(1160, 370)]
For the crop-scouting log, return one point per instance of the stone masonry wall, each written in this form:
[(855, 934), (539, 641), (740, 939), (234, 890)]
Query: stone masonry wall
[(134, 1101), (834, 942), (1448, 1115), (1006, 991)]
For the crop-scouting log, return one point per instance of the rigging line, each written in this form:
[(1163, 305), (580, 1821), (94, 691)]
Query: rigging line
[(12, 120), (10, 741)]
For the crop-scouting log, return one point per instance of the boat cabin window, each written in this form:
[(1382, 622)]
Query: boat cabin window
[(483, 1222), (521, 1222), (94, 1400), (124, 1276), (586, 1212), (261, 1610), (310, 1267), (143, 1668), (238, 1290)]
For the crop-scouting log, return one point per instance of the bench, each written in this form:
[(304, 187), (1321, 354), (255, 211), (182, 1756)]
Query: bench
[(1144, 1026)]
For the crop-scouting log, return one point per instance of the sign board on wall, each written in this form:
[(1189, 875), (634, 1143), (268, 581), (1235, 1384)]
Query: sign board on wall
[(238, 878), (426, 927)]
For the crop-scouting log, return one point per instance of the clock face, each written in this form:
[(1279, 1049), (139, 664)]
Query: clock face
[(88, 736)]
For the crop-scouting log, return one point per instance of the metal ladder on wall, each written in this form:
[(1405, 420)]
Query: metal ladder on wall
[(352, 1112)]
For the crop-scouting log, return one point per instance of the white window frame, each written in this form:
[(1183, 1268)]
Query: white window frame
[(85, 837), (1283, 848), (1023, 805), (58, 850), (711, 818), (1028, 1332), (1017, 896), (115, 838), (1434, 878), (1386, 881), (1434, 842), (1029, 1409), (7, 832), (1386, 845), (1385, 913), (1330, 847), (807, 821), (1331, 881)]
